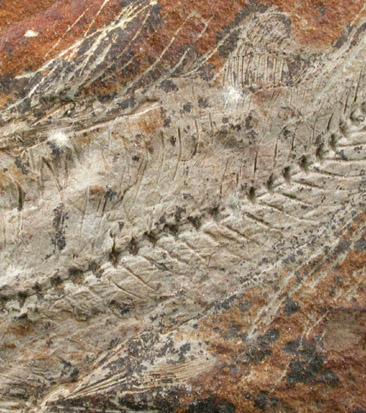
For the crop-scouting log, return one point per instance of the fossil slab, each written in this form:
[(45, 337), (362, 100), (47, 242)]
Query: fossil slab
[(182, 206)]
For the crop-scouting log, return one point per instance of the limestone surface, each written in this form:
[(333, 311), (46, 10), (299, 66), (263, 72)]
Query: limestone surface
[(182, 206)]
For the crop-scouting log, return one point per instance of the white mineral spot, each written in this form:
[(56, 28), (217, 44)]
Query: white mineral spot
[(232, 96), (60, 139), (31, 33)]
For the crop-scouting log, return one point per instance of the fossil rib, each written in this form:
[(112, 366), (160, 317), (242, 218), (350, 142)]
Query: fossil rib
[(157, 165)]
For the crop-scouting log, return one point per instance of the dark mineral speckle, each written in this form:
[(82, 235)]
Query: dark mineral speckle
[(291, 307), (211, 405), (168, 86), (360, 245)]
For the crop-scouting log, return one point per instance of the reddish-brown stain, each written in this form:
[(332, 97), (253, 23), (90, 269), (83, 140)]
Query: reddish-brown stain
[(331, 317), (314, 24), (52, 20), (13, 11), (320, 22)]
